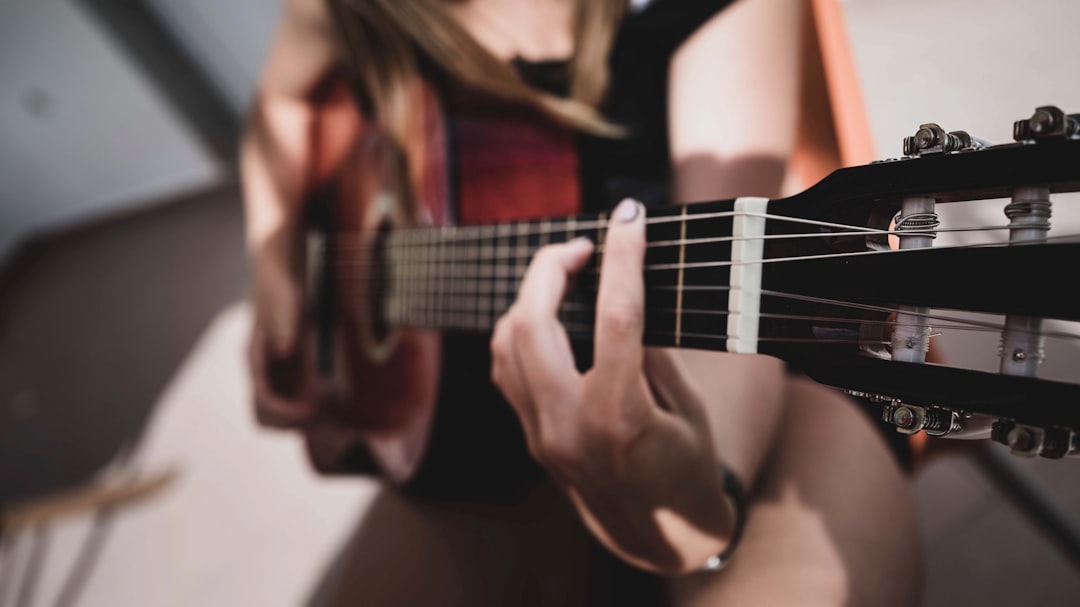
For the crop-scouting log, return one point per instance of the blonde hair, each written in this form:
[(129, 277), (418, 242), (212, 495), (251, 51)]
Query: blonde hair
[(380, 40)]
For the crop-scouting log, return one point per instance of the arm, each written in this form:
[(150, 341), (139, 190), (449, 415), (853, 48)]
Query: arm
[(733, 101), (733, 105), (808, 537), (635, 442), (276, 159)]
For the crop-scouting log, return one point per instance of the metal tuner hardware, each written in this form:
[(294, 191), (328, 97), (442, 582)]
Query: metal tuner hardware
[(1048, 122), (909, 419), (1029, 441), (1021, 349), (932, 139)]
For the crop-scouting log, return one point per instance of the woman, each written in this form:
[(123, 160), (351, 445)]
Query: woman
[(681, 99)]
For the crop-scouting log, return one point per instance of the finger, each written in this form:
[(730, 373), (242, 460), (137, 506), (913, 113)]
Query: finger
[(540, 342), (277, 299), (620, 302), (507, 376), (268, 374), (672, 383)]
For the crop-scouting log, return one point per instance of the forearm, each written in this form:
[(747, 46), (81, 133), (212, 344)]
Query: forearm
[(731, 135), (274, 158), (276, 153)]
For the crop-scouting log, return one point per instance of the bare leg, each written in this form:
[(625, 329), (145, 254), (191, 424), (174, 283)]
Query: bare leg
[(832, 522)]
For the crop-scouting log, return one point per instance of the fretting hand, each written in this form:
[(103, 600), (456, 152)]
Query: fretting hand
[(627, 440)]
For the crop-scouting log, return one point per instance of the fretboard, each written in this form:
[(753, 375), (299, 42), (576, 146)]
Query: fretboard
[(464, 278)]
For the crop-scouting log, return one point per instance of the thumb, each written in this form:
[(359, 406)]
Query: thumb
[(620, 301)]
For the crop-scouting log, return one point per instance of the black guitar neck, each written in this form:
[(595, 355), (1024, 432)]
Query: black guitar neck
[(810, 278)]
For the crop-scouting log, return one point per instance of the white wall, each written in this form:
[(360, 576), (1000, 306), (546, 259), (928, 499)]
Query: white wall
[(974, 65), (81, 131), (227, 37)]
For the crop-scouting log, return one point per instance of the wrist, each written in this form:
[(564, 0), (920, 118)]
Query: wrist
[(735, 493)]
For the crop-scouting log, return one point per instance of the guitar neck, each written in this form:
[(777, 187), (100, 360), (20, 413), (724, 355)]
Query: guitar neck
[(464, 278), (809, 279)]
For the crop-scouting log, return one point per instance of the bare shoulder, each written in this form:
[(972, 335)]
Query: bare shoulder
[(302, 51)]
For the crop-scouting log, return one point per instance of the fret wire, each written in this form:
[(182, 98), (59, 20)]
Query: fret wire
[(521, 257), (395, 267), (427, 275), (419, 299), (501, 268), (456, 272), (571, 225), (484, 288), (682, 271), (436, 316)]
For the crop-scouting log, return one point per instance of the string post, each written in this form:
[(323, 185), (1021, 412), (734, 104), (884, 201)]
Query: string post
[(911, 333), (1022, 340)]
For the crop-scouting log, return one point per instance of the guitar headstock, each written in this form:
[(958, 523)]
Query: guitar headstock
[(889, 305)]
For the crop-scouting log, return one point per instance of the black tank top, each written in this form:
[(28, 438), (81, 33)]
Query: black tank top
[(477, 447)]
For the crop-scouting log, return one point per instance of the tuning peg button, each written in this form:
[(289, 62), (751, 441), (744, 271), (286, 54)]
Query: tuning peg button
[(932, 139), (1047, 122)]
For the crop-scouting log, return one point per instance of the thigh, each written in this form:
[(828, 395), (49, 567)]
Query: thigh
[(744, 398), (412, 551), (832, 522)]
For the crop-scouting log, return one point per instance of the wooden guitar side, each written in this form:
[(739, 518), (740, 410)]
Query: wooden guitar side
[(381, 387)]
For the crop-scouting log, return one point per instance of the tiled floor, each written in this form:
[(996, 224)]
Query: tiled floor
[(135, 330)]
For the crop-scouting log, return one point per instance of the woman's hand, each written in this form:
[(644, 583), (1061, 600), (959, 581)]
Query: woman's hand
[(627, 440), (282, 382)]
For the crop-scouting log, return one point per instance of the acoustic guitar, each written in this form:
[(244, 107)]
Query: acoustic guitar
[(410, 242)]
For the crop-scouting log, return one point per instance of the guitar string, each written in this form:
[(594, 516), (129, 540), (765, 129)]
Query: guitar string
[(488, 312), (488, 254), (587, 333), (494, 251), (464, 281), (458, 233), (346, 251), (397, 245), (411, 237), (480, 319), (453, 320), (583, 330)]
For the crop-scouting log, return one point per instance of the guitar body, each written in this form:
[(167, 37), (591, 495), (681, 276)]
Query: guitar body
[(494, 162), (377, 386)]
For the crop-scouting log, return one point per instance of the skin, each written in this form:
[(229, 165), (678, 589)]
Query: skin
[(635, 442)]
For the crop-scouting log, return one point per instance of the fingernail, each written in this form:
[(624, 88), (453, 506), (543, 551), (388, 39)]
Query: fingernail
[(627, 210), (581, 241)]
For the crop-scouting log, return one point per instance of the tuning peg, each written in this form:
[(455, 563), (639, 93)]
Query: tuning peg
[(1029, 441), (909, 419), (1047, 122), (932, 139)]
